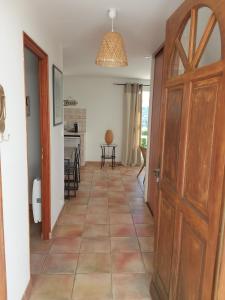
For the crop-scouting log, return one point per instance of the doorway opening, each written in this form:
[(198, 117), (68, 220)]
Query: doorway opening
[(38, 127), (33, 140)]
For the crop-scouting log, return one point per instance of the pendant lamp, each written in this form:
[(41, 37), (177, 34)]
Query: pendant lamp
[(112, 52)]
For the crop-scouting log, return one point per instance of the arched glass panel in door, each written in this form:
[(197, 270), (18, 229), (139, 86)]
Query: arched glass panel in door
[(199, 43)]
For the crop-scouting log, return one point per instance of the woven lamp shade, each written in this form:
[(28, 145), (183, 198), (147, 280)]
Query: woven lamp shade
[(112, 52)]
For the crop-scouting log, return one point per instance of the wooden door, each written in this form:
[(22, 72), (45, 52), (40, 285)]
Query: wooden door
[(193, 153), (45, 134), (154, 159)]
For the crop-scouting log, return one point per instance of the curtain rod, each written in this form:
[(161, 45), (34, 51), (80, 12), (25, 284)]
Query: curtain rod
[(131, 84)]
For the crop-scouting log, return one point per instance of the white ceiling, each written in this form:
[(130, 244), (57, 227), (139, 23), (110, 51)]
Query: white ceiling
[(80, 24)]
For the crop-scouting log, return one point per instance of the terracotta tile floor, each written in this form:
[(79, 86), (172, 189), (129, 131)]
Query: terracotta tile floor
[(102, 243)]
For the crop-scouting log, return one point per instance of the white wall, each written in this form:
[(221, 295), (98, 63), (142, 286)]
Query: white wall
[(33, 120), (104, 103), (17, 16)]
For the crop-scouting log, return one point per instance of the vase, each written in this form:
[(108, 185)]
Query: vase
[(108, 137)]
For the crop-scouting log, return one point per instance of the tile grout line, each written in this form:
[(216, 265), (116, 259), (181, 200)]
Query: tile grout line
[(78, 259)]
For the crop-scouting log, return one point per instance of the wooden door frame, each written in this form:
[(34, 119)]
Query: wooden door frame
[(3, 289), (44, 133), (157, 52)]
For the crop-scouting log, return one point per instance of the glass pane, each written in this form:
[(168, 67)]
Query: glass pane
[(177, 67), (204, 14), (212, 52), (185, 36)]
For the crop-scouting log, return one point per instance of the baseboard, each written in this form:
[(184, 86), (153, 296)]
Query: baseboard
[(27, 293)]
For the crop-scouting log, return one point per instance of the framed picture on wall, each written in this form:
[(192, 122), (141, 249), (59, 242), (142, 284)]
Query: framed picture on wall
[(57, 96)]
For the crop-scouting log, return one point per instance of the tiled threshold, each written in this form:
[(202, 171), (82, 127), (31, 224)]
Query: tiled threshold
[(102, 245)]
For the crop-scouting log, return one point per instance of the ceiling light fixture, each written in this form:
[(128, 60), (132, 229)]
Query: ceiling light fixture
[(112, 52)]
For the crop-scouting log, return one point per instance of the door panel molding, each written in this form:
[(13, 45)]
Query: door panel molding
[(165, 245), (198, 169), (192, 251), (171, 138), (154, 156)]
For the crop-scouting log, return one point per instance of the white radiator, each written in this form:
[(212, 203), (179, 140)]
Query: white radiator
[(36, 200)]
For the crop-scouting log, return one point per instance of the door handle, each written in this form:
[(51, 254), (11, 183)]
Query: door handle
[(156, 173)]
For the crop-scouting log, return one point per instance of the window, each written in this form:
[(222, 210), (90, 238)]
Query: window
[(144, 118)]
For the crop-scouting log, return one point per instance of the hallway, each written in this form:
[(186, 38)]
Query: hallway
[(102, 244)]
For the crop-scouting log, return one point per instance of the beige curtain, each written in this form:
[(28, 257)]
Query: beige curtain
[(131, 155)]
